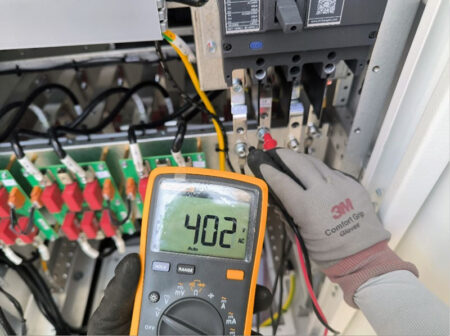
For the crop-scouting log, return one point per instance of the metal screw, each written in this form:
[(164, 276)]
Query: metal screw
[(241, 149), (261, 132), (376, 68), (212, 46), (357, 130), (237, 85), (379, 192), (313, 130), (293, 144)]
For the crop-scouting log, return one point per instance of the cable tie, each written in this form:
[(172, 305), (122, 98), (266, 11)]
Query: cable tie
[(18, 70)]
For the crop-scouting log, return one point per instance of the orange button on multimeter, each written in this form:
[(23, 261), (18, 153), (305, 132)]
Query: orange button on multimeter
[(210, 225), (233, 274)]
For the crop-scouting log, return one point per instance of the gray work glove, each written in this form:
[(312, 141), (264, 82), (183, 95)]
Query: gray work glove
[(334, 212), (341, 231)]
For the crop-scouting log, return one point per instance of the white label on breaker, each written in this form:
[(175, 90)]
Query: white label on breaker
[(242, 16), (102, 174), (9, 183)]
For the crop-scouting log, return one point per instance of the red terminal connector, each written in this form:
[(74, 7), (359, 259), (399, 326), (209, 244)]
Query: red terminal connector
[(22, 223), (89, 224), (73, 197), (70, 226), (269, 142), (4, 206), (107, 223), (51, 198), (143, 187), (93, 195), (16, 199), (7, 235)]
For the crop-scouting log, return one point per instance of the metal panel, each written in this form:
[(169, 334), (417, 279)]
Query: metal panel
[(382, 73), (51, 23), (414, 152)]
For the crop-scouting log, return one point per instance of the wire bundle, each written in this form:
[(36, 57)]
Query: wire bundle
[(42, 295)]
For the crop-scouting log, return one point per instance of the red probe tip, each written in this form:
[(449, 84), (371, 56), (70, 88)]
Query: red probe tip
[(269, 142)]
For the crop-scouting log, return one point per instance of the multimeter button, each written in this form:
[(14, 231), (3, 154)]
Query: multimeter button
[(161, 266), (233, 274), (153, 297), (185, 269)]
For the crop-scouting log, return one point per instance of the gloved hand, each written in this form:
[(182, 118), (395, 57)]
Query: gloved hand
[(113, 316), (335, 215)]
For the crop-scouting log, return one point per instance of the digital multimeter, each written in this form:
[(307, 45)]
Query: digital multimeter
[(201, 241)]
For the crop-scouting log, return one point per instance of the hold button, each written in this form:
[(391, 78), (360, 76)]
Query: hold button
[(233, 274), (185, 269)]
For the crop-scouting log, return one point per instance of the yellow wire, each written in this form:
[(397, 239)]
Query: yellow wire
[(286, 305), (192, 74)]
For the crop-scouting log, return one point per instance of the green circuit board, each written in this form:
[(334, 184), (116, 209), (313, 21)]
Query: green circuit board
[(102, 172), (9, 182), (128, 169)]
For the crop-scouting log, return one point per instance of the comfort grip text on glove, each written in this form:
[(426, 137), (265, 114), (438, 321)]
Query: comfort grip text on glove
[(345, 223)]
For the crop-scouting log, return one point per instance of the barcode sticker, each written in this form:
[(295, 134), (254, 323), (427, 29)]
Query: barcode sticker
[(324, 12)]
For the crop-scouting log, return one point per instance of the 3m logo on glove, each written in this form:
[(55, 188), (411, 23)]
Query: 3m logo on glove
[(342, 208)]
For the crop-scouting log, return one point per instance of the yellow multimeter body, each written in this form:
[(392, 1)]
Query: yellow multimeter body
[(201, 242)]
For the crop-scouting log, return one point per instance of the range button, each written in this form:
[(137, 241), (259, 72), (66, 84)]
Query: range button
[(185, 269)]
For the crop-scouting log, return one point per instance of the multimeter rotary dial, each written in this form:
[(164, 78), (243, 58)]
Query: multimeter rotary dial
[(191, 316)]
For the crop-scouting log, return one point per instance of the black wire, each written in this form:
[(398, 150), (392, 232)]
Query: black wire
[(192, 3), (129, 208), (27, 102), (183, 94), (18, 308), (179, 136), (95, 101), (117, 109), (5, 324), (42, 295), (5, 109)]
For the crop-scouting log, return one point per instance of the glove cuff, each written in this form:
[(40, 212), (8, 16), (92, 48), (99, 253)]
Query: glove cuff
[(350, 273)]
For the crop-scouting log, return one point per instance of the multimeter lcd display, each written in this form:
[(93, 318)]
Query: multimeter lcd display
[(202, 219)]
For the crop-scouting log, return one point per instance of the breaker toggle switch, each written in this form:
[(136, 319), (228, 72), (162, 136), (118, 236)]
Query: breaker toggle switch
[(93, 195), (288, 16), (143, 188), (7, 235), (26, 234), (108, 190), (4, 206), (51, 198), (35, 196), (107, 223), (73, 197), (70, 226), (89, 224), (16, 199), (130, 189)]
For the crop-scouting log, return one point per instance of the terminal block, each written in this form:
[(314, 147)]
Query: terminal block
[(196, 159), (22, 206), (92, 195)]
